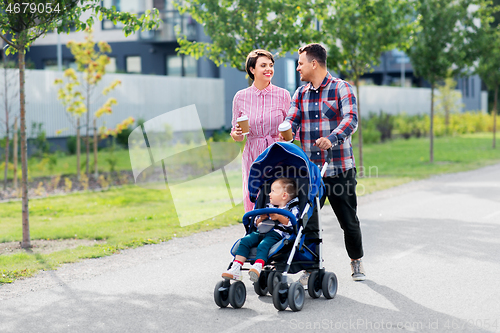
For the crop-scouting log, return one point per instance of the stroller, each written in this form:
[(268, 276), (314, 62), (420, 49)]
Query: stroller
[(302, 251)]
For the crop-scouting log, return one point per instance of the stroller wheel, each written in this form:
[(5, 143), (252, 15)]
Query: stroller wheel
[(260, 286), (314, 285), (280, 296), (237, 294), (329, 285), (221, 293), (296, 296), (272, 280)]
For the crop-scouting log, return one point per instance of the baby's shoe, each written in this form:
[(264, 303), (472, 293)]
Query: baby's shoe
[(233, 273), (254, 272), (304, 279)]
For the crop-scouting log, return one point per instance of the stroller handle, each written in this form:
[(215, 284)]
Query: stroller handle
[(329, 157), (255, 212)]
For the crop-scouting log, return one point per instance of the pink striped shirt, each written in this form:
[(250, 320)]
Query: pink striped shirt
[(266, 110)]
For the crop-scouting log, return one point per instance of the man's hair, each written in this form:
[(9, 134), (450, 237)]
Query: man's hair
[(316, 52), (252, 60), (289, 185)]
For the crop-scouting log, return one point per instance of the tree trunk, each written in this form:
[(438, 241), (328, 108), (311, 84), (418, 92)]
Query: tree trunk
[(431, 130), (96, 174), (87, 136), (6, 100), (14, 154), (361, 171), (26, 243), (495, 105), (78, 148)]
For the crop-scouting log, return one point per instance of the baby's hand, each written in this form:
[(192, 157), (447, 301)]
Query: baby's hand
[(274, 217), (260, 219)]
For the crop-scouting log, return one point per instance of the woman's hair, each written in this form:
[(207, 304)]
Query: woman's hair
[(289, 185), (316, 52), (252, 60)]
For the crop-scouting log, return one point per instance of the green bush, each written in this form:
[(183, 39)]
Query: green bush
[(369, 131), (407, 126), (71, 145), (222, 135), (384, 123)]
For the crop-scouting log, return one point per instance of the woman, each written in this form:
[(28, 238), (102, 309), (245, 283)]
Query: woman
[(266, 107)]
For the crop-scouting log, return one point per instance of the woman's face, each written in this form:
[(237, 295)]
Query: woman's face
[(264, 69)]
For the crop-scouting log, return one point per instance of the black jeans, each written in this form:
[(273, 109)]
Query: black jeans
[(341, 192)]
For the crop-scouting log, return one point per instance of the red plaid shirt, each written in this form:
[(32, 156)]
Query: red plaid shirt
[(331, 112)]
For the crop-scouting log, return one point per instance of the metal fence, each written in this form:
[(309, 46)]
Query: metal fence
[(138, 96)]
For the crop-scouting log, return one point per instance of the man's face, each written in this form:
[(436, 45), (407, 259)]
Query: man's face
[(305, 68)]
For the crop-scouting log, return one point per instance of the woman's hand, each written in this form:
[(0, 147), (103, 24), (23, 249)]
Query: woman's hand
[(237, 134)]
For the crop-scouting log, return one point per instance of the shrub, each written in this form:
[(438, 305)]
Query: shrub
[(222, 135), (384, 123), (71, 145), (370, 132)]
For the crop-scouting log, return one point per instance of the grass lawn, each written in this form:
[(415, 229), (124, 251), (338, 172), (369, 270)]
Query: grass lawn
[(132, 216)]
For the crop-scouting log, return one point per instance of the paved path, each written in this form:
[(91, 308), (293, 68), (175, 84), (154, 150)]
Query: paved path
[(432, 257)]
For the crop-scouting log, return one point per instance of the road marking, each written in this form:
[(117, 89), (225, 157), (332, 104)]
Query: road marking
[(487, 217), (407, 252)]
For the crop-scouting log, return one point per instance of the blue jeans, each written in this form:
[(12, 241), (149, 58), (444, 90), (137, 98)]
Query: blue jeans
[(263, 243)]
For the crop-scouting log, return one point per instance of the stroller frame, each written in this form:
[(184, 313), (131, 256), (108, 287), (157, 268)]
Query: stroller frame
[(276, 281)]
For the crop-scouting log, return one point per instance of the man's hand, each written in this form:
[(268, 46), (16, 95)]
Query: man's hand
[(323, 143)]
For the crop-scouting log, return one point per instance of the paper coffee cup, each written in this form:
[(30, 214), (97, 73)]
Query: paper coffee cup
[(286, 131), (243, 122)]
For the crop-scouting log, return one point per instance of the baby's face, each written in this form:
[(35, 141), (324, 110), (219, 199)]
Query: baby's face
[(278, 195)]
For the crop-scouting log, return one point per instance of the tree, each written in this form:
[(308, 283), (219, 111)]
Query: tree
[(8, 94), (92, 64), (357, 32), (448, 100), (442, 43), (237, 27), (22, 22), (488, 46), (72, 99)]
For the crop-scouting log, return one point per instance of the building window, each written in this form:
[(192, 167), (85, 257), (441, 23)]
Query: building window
[(133, 64), (190, 68), (471, 87), (111, 67), (182, 65), (291, 77), (465, 87)]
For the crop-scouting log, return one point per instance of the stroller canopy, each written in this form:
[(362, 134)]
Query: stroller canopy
[(282, 159)]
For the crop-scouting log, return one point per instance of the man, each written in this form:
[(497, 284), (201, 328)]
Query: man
[(325, 111)]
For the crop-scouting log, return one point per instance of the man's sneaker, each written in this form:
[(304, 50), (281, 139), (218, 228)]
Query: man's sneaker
[(358, 272), (304, 279), (254, 272), (234, 273)]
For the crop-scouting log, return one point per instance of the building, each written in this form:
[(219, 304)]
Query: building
[(153, 53)]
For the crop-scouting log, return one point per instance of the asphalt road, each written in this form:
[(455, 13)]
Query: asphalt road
[(432, 252)]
